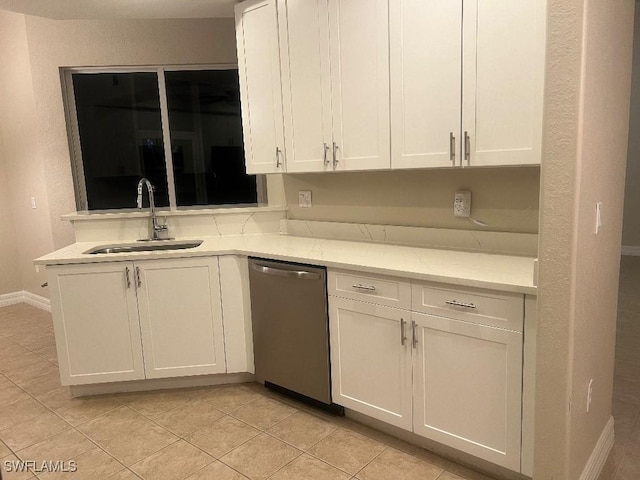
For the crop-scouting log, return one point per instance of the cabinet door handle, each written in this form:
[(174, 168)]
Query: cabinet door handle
[(467, 147), (456, 303), (359, 286), (403, 336), (278, 161), (414, 334), (452, 147), (126, 273), (138, 280), (325, 154), (335, 155)]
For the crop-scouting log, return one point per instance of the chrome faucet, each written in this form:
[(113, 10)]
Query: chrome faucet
[(156, 231)]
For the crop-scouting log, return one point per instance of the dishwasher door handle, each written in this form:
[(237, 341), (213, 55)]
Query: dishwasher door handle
[(299, 274)]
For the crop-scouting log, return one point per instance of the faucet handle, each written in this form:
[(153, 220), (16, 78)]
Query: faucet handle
[(161, 232)]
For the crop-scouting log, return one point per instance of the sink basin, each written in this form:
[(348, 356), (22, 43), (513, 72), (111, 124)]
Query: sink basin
[(145, 247)]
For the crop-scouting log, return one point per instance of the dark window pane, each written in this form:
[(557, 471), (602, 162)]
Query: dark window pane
[(120, 136), (206, 138)]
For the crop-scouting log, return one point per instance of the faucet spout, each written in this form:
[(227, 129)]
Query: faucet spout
[(156, 231)]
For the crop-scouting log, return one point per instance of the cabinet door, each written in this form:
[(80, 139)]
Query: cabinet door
[(95, 317), (468, 388), (180, 317), (260, 87), (426, 55), (306, 87), (359, 45), (503, 81), (370, 366)]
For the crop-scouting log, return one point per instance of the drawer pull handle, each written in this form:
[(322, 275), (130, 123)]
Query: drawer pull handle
[(138, 280), (359, 286), (126, 273), (452, 147), (414, 334), (456, 303), (467, 147), (403, 335)]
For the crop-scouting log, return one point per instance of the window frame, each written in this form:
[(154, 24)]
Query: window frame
[(73, 131)]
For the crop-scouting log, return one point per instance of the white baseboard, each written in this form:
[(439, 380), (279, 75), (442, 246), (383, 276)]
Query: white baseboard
[(37, 301), (631, 250), (25, 297), (600, 453), (11, 299)]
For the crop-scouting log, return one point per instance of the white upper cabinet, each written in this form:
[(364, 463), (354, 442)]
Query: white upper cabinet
[(467, 79), (306, 87), (359, 44), (335, 84), (503, 82), (388, 84), (260, 86), (426, 56)]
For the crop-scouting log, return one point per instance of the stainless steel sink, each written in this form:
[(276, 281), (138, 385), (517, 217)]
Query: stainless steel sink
[(150, 246)]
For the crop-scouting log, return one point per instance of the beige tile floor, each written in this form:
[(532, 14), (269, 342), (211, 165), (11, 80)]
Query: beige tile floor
[(624, 461), (224, 433)]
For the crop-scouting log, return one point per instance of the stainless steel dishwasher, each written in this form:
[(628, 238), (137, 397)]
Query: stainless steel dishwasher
[(291, 329)]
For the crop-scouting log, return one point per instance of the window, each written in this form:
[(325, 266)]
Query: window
[(181, 129)]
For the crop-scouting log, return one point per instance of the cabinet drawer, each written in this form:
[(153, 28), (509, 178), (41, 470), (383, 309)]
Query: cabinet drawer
[(474, 305), (376, 289)]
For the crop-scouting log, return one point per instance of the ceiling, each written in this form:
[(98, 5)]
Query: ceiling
[(98, 9)]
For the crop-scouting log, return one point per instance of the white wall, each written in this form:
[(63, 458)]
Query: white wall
[(586, 122), (9, 272), (602, 155), (32, 119), (21, 149), (63, 43)]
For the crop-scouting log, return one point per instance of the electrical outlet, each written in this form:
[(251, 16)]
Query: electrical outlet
[(304, 198), (589, 394), (33, 202), (37, 268), (462, 204)]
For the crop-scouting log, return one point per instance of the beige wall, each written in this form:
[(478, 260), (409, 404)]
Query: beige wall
[(505, 198), (32, 118), (631, 230), (63, 43), (586, 114), (23, 165), (9, 276), (602, 155)]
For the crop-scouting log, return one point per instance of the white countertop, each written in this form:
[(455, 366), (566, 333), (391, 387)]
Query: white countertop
[(500, 272)]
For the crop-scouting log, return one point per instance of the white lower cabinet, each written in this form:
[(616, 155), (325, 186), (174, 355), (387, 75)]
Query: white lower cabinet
[(133, 320), (451, 379), (467, 387), (370, 361), (95, 317), (180, 317)]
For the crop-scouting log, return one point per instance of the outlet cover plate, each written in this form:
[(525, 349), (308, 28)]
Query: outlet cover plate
[(304, 198), (462, 204)]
